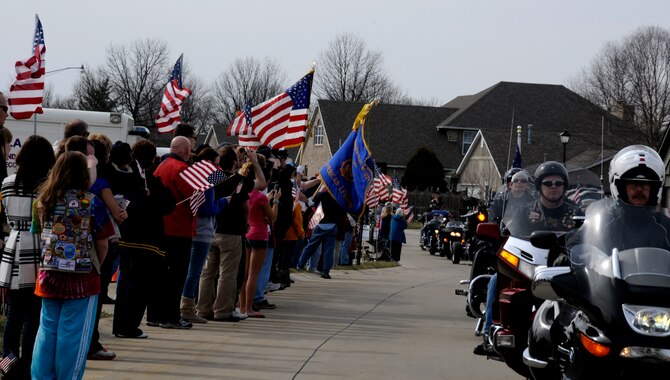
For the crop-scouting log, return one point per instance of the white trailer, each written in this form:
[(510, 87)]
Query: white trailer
[(51, 123)]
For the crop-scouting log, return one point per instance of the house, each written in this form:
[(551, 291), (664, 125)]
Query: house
[(393, 134), (534, 115)]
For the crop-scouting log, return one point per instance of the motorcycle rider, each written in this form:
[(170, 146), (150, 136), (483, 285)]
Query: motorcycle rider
[(517, 193), (551, 212), (636, 179)]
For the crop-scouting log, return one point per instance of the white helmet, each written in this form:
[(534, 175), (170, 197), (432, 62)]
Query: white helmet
[(637, 163)]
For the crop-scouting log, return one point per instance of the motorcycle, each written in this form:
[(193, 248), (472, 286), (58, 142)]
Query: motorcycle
[(432, 232), (455, 244), (606, 315), (517, 261), (472, 220)]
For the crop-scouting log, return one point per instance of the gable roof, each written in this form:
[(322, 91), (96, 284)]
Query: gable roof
[(550, 109), (393, 132)]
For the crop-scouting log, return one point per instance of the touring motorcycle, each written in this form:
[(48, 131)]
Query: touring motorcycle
[(606, 314)]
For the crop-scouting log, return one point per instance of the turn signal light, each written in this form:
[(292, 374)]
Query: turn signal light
[(509, 258), (595, 348), (481, 217)]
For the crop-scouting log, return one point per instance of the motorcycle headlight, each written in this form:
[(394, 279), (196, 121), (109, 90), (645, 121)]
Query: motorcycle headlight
[(648, 320), (437, 231), (457, 234)]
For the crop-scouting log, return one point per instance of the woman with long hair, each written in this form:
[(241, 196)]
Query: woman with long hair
[(262, 213), (20, 259), (70, 221)]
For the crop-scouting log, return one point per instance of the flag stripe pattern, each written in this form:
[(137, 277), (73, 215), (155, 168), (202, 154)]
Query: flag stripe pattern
[(379, 189), (173, 97), (27, 92), (196, 175), (279, 122)]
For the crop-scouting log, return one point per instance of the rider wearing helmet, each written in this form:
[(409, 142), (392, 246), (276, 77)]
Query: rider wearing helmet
[(516, 195), (629, 219), (552, 211)]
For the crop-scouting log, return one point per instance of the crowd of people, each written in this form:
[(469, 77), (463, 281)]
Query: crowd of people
[(91, 208)]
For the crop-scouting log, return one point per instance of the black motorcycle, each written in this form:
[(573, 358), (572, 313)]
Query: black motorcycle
[(606, 315), (455, 244), (432, 232)]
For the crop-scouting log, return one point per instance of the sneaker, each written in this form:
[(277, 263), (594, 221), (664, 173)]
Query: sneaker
[(325, 275), (153, 323), (179, 325), (264, 304), (237, 313), (256, 314), (273, 286), (103, 354)]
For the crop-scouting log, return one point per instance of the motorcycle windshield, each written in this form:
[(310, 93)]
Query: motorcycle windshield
[(522, 219), (455, 224), (623, 241)]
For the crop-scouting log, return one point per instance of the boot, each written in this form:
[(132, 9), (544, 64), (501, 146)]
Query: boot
[(284, 278), (187, 309)]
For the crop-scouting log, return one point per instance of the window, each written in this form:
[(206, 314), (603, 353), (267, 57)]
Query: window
[(318, 134), (468, 137)]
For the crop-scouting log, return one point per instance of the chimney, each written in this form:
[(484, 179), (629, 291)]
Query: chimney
[(530, 132), (623, 111)]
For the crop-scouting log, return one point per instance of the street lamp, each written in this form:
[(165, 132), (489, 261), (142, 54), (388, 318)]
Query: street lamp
[(565, 137), (81, 69)]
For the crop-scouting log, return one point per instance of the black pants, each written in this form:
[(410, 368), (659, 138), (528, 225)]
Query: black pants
[(23, 315), (135, 288), (105, 278), (177, 259), (396, 247)]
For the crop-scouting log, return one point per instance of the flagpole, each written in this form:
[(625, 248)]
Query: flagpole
[(34, 123), (509, 149)]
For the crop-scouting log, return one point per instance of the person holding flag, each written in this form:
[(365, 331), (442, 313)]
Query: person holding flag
[(178, 234)]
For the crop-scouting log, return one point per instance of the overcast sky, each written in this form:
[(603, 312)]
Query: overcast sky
[(434, 50)]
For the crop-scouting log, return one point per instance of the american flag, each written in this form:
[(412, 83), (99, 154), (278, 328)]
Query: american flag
[(247, 138), (399, 194), (198, 196), (316, 218), (168, 117), (27, 91), (7, 362), (379, 189), (279, 122)]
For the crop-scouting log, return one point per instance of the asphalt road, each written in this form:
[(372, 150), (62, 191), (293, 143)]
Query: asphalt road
[(396, 323)]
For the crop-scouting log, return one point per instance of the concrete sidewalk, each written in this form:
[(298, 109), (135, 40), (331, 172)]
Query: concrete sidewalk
[(396, 323)]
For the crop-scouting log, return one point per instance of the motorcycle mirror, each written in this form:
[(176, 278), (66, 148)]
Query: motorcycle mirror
[(544, 239)]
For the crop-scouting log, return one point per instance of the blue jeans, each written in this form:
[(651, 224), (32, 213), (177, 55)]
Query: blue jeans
[(490, 299), (344, 250), (199, 251), (66, 326), (323, 234), (264, 276)]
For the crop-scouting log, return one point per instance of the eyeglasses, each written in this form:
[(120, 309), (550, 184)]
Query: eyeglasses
[(4, 108), (519, 181), (558, 183)]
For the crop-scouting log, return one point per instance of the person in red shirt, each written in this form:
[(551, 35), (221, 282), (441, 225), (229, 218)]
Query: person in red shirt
[(178, 235)]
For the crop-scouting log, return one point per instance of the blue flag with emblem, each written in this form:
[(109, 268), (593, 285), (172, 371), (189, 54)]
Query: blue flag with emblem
[(350, 171)]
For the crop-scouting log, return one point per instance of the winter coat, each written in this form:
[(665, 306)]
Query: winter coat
[(398, 226)]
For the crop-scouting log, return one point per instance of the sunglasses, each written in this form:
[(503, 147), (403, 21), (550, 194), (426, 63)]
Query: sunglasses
[(554, 183), (519, 181), (4, 108)]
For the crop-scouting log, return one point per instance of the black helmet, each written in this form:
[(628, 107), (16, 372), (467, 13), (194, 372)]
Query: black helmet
[(550, 168), (510, 173)]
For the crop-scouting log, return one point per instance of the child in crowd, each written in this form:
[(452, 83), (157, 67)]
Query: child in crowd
[(68, 219)]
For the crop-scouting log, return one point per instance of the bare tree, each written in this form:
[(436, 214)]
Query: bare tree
[(247, 80), (93, 92), (634, 76), (197, 109), (138, 74), (347, 70)]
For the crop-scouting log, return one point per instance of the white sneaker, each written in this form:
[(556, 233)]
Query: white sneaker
[(237, 313), (273, 286)]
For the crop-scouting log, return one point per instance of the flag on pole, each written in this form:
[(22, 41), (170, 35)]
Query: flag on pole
[(517, 162), (174, 95), (279, 122), (27, 91), (350, 171), (247, 138)]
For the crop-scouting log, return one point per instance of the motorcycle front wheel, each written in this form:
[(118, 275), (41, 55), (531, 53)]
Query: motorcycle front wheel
[(457, 253)]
